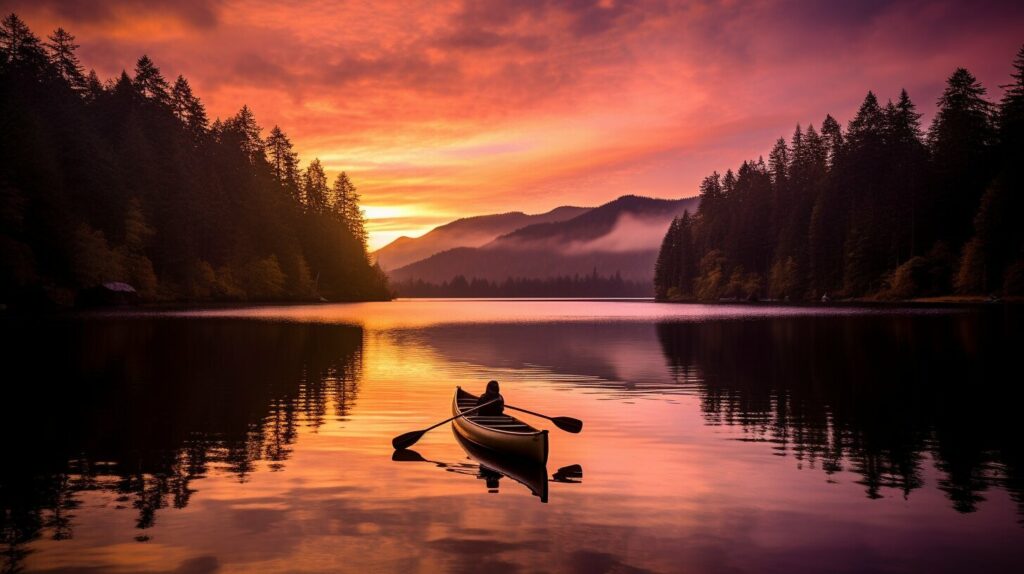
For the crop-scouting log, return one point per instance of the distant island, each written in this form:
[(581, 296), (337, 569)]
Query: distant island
[(123, 187), (880, 210)]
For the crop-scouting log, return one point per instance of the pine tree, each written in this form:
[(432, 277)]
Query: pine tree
[(19, 47), (244, 132), (180, 94), (284, 162), (62, 55), (124, 90), (994, 257), (197, 120), (961, 140), (832, 133), (314, 187), (665, 267), (728, 183), (905, 122), (862, 181), (686, 261), (711, 212), (778, 167), (778, 162), (828, 222), (866, 128), (345, 205), (188, 109), (150, 83), (905, 179), (93, 86)]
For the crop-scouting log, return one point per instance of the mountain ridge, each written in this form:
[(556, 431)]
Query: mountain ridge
[(621, 236), (472, 231)]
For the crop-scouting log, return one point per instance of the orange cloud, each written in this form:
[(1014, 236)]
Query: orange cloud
[(459, 108)]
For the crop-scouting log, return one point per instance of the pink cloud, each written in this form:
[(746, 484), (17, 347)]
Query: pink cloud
[(485, 105)]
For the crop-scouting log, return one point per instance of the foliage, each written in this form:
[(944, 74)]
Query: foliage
[(590, 285), (877, 210), (128, 181)]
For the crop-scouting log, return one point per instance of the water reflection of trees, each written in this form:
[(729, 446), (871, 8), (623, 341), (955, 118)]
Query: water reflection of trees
[(141, 410), (887, 396), (876, 395)]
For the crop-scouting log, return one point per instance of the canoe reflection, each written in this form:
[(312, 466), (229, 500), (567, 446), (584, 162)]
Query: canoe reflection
[(491, 467)]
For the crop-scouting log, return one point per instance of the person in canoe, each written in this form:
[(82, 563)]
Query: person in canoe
[(492, 394)]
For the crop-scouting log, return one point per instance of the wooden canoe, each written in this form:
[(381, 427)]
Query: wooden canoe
[(503, 434)]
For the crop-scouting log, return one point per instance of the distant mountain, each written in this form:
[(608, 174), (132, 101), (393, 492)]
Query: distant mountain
[(465, 232), (621, 237)]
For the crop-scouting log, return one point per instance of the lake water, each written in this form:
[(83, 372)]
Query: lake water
[(716, 439)]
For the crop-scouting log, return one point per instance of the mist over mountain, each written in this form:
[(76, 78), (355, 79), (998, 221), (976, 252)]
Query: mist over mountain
[(620, 237), (465, 232)]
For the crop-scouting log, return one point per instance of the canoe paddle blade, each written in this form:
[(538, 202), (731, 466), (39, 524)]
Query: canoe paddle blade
[(407, 455), (568, 424), (406, 440)]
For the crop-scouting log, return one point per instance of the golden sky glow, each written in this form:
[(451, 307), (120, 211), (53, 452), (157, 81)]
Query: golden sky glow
[(447, 109)]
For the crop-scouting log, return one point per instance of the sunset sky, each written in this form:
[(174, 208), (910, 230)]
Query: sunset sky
[(446, 109)]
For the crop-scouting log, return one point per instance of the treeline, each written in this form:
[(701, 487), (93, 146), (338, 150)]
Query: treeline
[(878, 210), (591, 285), (127, 181)]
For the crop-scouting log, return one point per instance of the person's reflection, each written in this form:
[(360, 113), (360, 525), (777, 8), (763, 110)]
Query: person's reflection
[(490, 478)]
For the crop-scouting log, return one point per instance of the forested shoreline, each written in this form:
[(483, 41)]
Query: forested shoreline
[(881, 210), (590, 285), (126, 181)]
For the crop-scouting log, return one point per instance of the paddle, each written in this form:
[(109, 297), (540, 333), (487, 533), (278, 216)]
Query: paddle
[(408, 439), (407, 455), (567, 424)]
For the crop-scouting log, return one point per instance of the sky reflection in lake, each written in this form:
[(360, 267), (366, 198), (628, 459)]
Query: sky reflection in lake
[(716, 439)]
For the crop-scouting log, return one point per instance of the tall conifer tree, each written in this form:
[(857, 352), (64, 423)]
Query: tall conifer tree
[(62, 55), (150, 82)]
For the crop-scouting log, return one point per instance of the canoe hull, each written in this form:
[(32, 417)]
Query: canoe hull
[(527, 446)]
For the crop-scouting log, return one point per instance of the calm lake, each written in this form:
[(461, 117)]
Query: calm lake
[(716, 439)]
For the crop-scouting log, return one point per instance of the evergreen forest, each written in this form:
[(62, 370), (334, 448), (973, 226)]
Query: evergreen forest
[(883, 209), (127, 181)]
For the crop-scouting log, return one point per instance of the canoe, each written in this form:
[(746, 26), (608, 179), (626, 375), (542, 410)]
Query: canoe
[(533, 475), (503, 434)]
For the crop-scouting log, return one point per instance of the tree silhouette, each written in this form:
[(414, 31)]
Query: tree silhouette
[(879, 210), (345, 203), (188, 109), (150, 82), (961, 139), (125, 180), (284, 162), (314, 186), (62, 55), (19, 47)]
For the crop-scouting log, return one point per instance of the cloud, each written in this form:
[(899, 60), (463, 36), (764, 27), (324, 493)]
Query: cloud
[(630, 233), (198, 13), (479, 106)]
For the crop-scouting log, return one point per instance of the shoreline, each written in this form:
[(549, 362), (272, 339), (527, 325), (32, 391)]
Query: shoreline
[(14, 311), (954, 302)]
